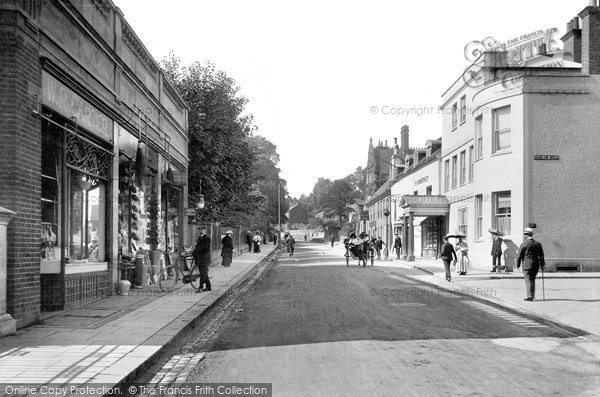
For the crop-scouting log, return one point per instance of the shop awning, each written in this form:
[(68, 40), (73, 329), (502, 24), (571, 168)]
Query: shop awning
[(425, 205)]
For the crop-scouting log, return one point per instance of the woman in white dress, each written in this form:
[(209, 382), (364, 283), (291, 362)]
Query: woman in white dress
[(462, 251)]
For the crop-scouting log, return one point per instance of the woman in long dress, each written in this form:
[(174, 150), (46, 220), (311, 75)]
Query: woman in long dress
[(462, 251)]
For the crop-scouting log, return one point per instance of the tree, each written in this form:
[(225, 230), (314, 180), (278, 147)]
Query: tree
[(221, 158)]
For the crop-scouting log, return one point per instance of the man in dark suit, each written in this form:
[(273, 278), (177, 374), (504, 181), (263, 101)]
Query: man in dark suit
[(398, 245), (496, 250), (531, 255), (447, 254), (202, 257)]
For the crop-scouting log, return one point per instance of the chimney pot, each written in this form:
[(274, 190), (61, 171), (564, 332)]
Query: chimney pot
[(593, 3), (569, 26), (575, 23)]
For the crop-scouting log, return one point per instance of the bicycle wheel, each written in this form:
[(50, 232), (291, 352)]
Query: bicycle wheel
[(168, 278), (195, 276)]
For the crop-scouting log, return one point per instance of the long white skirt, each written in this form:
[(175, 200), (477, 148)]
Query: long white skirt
[(463, 264)]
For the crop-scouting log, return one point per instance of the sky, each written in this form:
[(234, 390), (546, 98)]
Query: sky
[(322, 77)]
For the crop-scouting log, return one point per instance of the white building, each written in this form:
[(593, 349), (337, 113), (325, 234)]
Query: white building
[(522, 148)]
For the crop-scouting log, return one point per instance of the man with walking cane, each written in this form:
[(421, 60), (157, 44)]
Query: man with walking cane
[(531, 254)]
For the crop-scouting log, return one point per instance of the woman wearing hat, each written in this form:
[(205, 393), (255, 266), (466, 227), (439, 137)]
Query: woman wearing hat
[(227, 250), (462, 252)]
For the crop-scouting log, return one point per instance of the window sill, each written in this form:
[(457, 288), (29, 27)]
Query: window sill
[(478, 159), (85, 267), (502, 152)]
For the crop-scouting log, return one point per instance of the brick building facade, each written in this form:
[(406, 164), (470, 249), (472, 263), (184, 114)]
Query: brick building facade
[(93, 152)]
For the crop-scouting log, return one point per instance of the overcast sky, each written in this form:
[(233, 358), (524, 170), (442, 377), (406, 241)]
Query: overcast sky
[(315, 72)]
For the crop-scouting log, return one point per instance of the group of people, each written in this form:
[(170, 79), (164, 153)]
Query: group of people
[(376, 244), (460, 254), (254, 242), (530, 255)]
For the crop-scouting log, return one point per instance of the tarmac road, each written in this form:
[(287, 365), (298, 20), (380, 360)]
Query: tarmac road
[(312, 326)]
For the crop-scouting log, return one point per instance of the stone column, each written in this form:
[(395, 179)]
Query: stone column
[(8, 325), (404, 238), (411, 237)]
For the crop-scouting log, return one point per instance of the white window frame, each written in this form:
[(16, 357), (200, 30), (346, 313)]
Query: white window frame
[(463, 220), (463, 109), (497, 132), (478, 217), (503, 226), (479, 136), (471, 163), (454, 116), (463, 168), (454, 171), (446, 175)]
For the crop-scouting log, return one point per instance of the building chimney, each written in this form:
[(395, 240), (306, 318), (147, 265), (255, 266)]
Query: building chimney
[(572, 41), (590, 38), (404, 138), (386, 143), (495, 59)]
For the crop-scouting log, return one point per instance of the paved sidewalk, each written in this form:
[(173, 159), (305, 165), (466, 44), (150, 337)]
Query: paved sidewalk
[(571, 298), (107, 340)]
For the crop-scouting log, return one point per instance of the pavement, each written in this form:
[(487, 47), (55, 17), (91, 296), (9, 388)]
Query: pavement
[(571, 299), (111, 340)]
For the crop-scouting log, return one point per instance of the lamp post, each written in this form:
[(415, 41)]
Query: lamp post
[(386, 212), (279, 211)]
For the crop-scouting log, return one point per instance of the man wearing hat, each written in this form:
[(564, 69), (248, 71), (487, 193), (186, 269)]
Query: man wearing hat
[(531, 255), (227, 250), (496, 250), (447, 255), (202, 258)]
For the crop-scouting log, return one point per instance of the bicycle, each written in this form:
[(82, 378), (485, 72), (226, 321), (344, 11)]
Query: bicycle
[(171, 275)]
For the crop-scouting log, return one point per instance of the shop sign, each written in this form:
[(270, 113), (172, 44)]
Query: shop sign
[(422, 180), (60, 98), (546, 157)]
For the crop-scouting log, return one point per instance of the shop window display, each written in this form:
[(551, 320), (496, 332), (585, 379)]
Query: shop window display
[(50, 197), (87, 196)]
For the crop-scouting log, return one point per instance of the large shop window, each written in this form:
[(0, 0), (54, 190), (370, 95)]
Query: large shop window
[(75, 170), (87, 196), (502, 210), (501, 132)]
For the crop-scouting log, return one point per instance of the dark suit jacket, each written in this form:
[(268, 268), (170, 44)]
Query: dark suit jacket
[(448, 251), (531, 254), (227, 242), (497, 247), (398, 242), (202, 251)]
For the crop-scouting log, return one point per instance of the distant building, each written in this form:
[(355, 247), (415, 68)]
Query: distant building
[(298, 213)]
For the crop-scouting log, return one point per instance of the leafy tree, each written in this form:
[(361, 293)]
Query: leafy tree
[(221, 158)]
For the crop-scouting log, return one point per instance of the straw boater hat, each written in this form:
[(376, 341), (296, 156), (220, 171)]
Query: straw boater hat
[(229, 232), (528, 231), (493, 231)]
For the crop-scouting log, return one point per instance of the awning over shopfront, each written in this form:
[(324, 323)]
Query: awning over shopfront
[(414, 210), (425, 205)]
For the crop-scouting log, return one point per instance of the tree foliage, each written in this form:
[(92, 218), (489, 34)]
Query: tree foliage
[(227, 164)]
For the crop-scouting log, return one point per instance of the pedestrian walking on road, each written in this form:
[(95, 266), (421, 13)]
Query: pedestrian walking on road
[(227, 250), (201, 255), (257, 240), (447, 254), (291, 244), (249, 240), (462, 253), (531, 255), (378, 246), (398, 245), (496, 251), (332, 240), (305, 237)]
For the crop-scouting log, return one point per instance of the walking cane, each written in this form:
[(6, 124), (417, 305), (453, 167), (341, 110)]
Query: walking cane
[(543, 289)]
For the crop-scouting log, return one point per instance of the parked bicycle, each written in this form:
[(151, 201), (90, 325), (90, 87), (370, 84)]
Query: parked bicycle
[(171, 275)]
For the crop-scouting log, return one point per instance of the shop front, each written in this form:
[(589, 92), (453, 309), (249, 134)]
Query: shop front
[(432, 214)]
